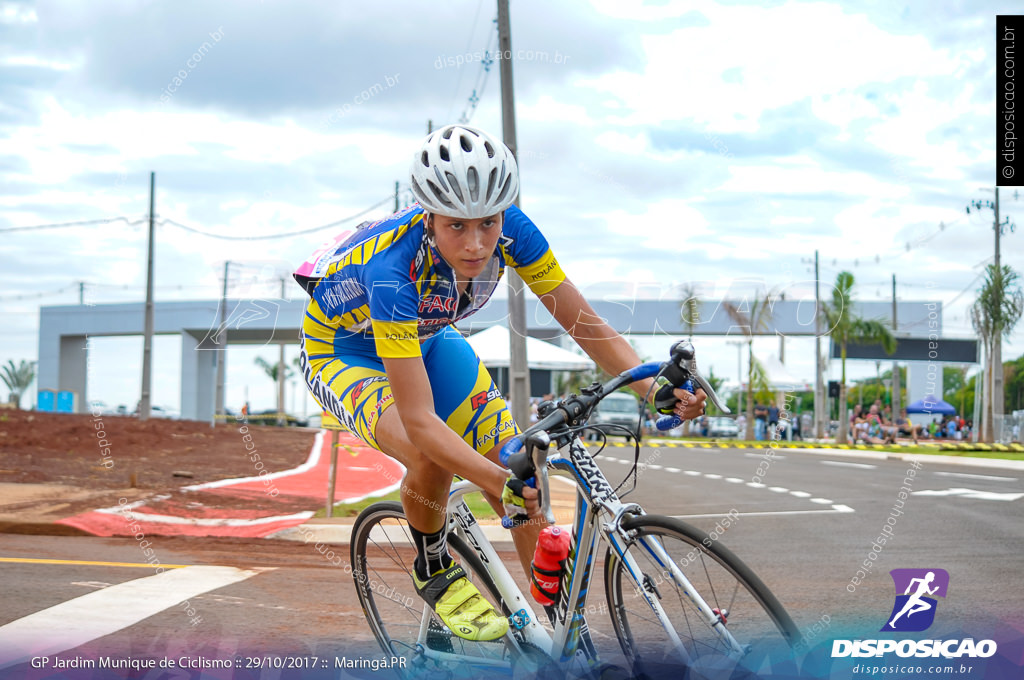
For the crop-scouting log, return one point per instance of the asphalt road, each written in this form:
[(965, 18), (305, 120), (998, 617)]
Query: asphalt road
[(806, 523)]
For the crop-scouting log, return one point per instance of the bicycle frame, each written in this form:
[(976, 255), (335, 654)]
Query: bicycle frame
[(599, 514)]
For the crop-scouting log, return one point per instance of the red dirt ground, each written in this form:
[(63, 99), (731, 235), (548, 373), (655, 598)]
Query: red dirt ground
[(65, 449)]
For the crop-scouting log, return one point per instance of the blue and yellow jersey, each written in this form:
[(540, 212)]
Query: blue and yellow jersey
[(388, 282)]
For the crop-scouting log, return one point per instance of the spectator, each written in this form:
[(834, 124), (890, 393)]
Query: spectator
[(760, 421), (858, 425), (905, 427), (773, 420)]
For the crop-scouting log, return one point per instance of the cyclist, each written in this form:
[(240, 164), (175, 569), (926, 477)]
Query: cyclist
[(378, 349)]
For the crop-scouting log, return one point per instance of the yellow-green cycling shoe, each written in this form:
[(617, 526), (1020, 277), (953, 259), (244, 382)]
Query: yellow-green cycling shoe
[(460, 605)]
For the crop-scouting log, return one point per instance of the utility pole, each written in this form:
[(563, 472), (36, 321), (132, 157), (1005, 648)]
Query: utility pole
[(81, 292), (222, 348), (147, 328), (396, 210), (992, 371), (819, 382), (519, 372), (897, 398), (430, 126), (996, 423), (281, 418)]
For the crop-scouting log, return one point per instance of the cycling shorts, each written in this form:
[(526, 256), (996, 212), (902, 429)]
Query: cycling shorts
[(349, 381)]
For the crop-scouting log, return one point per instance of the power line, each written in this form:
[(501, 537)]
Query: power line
[(265, 237), (82, 223), (469, 43), (481, 80)]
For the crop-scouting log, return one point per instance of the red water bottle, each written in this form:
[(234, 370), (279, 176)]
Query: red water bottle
[(548, 563)]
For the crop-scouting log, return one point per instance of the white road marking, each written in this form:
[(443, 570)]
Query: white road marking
[(969, 476), (692, 473), (94, 615), (821, 501), (778, 489), (800, 494), (734, 480), (972, 494), (840, 463), (212, 521), (711, 475), (835, 509), (654, 467), (761, 455), (672, 469), (756, 485)]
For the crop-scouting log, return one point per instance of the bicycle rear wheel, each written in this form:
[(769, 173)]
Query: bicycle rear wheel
[(751, 614), (382, 561)]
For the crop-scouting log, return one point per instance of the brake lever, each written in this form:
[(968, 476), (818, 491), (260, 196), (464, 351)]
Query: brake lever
[(541, 443), (685, 357)]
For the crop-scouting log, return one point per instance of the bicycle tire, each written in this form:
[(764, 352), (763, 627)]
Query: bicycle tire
[(382, 554), (753, 615)]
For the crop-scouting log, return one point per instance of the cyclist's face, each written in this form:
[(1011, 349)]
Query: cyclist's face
[(467, 245)]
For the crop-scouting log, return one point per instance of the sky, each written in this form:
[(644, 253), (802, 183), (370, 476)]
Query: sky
[(660, 143)]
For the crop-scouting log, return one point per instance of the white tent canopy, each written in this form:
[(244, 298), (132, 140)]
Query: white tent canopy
[(779, 377), (492, 347)]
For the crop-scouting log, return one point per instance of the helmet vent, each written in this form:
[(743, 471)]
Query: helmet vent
[(490, 149), (440, 178), (443, 149), (492, 179), (467, 144), (453, 182), (447, 132), (425, 159), (439, 195), (473, 182)]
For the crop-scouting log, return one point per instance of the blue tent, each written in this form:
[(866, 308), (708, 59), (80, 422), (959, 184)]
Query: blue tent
[(931, 405)]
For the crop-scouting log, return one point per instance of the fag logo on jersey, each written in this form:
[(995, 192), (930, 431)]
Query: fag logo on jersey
[(481, 398), (435, 303)]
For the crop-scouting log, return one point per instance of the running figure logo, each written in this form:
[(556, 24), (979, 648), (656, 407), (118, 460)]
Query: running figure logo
[(914, 610)]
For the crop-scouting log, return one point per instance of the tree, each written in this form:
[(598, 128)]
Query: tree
[(272, 371), (18, 378), (751, 320), (689, 309), (846, 328), (1014, 381), (996, 311)]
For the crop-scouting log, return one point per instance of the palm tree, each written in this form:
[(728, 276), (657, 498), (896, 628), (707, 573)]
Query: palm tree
[(996, 311), (847, 328), (18, 378), (272, 371), (689, 310), (751, 320)]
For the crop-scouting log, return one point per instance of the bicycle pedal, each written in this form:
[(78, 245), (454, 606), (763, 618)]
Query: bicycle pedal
[(439, 638), (519, 620)]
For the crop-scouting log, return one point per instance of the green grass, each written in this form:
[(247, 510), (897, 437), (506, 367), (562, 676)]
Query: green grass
[(480, 508)]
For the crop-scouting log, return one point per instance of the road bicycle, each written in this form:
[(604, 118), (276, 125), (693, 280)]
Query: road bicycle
[(676, 601)]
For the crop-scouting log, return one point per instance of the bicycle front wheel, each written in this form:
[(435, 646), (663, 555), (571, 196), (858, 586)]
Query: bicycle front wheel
[(382, 561), (759, 631)]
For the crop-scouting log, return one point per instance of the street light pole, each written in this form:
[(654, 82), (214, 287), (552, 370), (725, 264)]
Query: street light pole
[(519, 372), (147, 324), (222, 348)]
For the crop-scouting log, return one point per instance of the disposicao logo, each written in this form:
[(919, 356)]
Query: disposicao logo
[(914, 611)]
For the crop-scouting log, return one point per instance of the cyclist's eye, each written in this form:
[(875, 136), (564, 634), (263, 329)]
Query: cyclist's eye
[(455, 226)]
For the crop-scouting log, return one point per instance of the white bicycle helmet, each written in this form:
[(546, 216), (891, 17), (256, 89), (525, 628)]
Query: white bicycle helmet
[(460, 171)]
